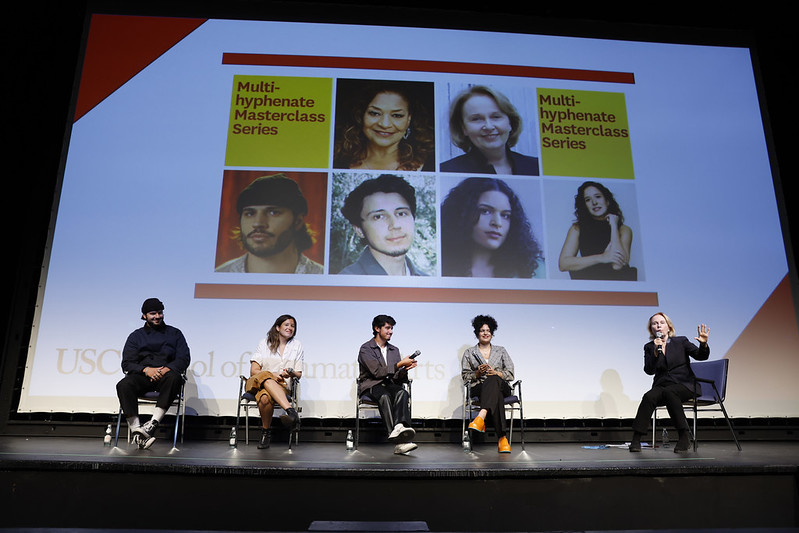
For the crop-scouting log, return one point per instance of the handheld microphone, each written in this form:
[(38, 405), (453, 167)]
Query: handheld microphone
[(659, 335), (415, 354)]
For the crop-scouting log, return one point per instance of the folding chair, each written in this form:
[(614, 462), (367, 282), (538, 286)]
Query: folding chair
[(513, 403), (247, 401), (713, 373), (150, 399), (364, 402)]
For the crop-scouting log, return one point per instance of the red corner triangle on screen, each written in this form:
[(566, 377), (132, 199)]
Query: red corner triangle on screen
[(119, 47)]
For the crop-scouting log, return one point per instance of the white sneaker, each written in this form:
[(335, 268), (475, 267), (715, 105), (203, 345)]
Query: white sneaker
[(405, 448), (395, 433), (402, 433)]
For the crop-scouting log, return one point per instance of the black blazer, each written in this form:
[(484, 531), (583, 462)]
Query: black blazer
[(675, 366)]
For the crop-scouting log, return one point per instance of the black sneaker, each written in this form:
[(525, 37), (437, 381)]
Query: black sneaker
[(150, 426), (143, 442), (140, 432), (266, 439)]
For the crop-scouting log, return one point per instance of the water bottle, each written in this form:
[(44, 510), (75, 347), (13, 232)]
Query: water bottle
[(233, 437), (107, 436), (467, 442), (350, 441), (665, 438)]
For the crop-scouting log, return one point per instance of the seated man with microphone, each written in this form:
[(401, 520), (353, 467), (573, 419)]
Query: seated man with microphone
[(382, 374)]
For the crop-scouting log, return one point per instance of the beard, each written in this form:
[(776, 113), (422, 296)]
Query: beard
[(395, 253), (159, 324), (281, 242)]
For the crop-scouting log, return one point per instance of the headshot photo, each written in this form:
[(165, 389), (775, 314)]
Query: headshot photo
[(489, 229), (272, 222), (383, 224), (595, 223), (489, 134), (384, 125)]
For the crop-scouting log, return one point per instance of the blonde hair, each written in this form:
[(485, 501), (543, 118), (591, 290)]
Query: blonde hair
[(668, 322), (456, 125)]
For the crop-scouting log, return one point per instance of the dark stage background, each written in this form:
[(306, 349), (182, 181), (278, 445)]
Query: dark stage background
[(749, 489)]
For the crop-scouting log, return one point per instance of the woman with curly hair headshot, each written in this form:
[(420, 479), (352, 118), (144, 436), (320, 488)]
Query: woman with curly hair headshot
[(485, 233), (384, 126)]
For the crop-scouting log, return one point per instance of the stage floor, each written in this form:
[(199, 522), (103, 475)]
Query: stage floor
[(78, 483), (448, 460)]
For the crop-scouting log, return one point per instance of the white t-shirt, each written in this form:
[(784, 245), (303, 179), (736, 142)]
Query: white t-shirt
[(293, 357)]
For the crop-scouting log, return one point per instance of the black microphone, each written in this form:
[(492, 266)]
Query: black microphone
[(415, 354), (659, 335)]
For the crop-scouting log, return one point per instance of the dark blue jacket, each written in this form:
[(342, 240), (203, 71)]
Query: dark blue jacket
[(155, 347), (368, 265)]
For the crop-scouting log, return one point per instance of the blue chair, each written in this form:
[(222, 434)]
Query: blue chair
[(713, 373), (247, 401), (364, 402), (150, 399), (513, 403)]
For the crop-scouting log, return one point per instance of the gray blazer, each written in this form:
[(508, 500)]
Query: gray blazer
[(499, 360)]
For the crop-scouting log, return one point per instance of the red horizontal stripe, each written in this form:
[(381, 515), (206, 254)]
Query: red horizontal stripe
[(417, 294), (427, 66)]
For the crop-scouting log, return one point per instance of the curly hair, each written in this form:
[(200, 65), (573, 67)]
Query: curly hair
[(456, 125), (273, 336), (351, 145), (581, 213), (519, 255), (480, 320)]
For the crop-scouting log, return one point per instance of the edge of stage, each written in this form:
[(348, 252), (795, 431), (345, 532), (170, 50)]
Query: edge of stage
[(208, 485)]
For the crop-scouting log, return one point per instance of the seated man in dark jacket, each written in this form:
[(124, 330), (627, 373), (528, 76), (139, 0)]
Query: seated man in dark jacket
[(382, 373), (154, 358)]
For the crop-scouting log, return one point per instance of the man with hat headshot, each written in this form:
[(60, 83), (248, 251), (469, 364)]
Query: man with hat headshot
[(154, 358), (272, 229)]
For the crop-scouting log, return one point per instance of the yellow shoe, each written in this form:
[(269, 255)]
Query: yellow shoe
[(503, 446), (478, 424)]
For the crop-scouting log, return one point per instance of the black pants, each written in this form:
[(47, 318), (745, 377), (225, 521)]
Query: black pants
[(392, 402), (672, 396), (134, 385), (492, 393)]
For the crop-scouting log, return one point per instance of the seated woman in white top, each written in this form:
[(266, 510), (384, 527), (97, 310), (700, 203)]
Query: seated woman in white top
[(277, 360)]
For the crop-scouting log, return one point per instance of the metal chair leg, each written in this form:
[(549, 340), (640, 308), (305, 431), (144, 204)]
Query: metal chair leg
[(119, 423)]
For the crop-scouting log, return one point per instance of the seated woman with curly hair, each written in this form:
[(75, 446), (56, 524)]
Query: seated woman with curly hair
[(489, 369)]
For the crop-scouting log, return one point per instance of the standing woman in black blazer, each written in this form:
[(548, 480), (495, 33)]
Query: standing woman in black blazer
[(667, 358)]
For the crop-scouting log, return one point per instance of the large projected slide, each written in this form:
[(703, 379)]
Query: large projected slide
[(239, 170)]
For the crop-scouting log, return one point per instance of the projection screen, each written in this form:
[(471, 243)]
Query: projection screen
[(176, 117)]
